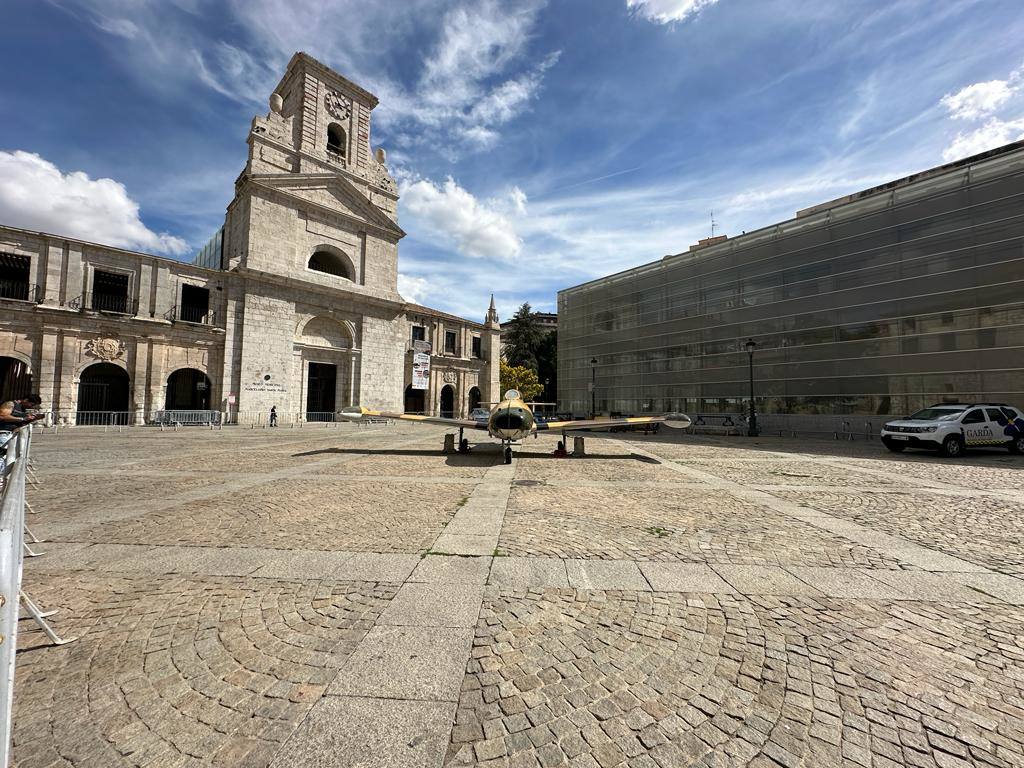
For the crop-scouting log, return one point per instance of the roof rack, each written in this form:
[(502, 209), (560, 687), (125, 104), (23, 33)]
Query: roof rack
[(966, 405)]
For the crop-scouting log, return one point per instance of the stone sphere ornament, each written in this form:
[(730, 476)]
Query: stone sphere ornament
[(276, 103)]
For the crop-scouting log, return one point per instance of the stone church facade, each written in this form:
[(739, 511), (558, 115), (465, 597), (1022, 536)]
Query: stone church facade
[(294, 304)]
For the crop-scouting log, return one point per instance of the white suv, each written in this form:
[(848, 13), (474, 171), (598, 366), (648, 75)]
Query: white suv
[(951, 427)]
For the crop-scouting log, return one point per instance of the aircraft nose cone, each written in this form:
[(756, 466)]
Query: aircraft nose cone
[(511, 419)]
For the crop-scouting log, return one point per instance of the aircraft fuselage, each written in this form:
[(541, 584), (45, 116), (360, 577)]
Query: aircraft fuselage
[(510, 420)]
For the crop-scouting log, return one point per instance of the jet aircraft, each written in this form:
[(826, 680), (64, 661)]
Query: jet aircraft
[(513, 420)]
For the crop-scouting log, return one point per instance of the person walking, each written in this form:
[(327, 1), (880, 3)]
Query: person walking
[(273, 415)]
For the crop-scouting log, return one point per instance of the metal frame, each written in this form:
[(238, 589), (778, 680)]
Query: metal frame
[(14, 475)]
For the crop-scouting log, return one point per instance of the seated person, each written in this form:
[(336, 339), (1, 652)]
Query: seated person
[(15, 413)]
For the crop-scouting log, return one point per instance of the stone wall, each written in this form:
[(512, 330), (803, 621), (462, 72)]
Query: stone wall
[(293, 198)]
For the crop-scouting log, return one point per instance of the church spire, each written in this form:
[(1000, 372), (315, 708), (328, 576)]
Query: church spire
[(492, 315)]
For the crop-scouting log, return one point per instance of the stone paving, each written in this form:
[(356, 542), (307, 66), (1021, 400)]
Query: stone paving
[(348, 596)]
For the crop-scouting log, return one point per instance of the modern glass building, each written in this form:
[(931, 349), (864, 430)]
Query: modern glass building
[(902, 295)]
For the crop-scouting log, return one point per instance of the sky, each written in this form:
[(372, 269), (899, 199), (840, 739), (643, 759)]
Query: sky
[(537, 144)]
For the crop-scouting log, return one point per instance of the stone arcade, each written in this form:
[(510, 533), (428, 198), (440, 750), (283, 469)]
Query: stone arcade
[(293, 304)]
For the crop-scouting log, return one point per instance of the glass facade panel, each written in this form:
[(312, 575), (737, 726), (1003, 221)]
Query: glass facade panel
[(905, 297)]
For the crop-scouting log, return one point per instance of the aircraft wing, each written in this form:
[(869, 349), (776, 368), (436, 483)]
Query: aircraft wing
[(674, 420), (354, 414)]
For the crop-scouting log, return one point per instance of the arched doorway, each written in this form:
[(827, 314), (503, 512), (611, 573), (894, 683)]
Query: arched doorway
[(415, 402), (321, 391), (103, 395), (448, 402), (474, 398), (15, 379), (188, 389)]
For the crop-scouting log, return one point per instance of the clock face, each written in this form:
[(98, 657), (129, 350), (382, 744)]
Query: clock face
[(337, 105)]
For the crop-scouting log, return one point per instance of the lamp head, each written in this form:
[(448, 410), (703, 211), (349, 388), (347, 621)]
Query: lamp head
[(750, 345), (593, 361)]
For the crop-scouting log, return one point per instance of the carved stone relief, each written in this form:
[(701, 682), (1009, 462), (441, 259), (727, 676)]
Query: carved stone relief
[(105, 348)]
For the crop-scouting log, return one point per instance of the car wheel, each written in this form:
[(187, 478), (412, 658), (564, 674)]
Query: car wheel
[(952, 447), (1017, 446), (895, 447)]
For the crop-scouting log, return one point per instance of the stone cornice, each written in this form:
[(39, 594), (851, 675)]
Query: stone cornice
[(304, 61), (315, 288), (391, 232), (329, 170)]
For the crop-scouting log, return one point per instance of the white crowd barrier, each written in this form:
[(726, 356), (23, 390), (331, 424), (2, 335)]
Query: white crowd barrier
[(15, 476)]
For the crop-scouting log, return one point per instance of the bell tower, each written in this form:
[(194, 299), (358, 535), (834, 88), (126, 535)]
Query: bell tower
[(310, 179), (312, 234)]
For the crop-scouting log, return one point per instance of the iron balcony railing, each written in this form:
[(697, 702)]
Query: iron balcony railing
[(189, 314), (17, 290), (105, 302)]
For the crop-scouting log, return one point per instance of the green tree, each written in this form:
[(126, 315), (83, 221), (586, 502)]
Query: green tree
[(521, 379), (547, 366), (522, 338)]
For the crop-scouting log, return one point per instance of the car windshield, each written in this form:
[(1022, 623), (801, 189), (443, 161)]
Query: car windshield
[(937, 414)]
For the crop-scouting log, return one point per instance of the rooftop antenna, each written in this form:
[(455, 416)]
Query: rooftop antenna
[(713, 223)]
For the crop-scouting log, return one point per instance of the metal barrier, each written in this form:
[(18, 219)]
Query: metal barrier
[(180, 418), (716, 423), (105, 419), (14, 476), (173, 419)]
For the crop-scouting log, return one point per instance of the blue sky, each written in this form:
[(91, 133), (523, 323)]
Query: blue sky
[(569, 139)]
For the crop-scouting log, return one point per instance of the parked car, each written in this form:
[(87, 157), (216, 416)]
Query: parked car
[(480, 415), (950, 428)]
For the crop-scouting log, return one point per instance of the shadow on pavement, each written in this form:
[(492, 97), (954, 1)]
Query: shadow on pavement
[(868, 449), (473, 459)]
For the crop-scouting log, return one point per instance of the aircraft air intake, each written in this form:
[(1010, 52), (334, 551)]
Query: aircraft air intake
[(510, 420)]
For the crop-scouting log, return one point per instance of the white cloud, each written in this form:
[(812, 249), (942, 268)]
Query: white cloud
[(469, 87), (119, 27), (479, 72), (34, 194), (979, 100), (473, 227), (667, 11), (992, 134), (413, 288)]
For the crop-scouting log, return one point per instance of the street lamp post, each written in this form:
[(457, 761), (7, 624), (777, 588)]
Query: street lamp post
[(593, 387), (751, 345)]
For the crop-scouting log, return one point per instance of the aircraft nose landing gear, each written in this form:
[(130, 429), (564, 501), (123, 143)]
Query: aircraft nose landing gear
[(508, 455)]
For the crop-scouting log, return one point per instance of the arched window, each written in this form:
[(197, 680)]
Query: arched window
[(331, 263), (336, 140)]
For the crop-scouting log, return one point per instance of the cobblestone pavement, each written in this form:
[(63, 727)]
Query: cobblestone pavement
[(594, 678), (686, 525), (277, 598), (984, 530)]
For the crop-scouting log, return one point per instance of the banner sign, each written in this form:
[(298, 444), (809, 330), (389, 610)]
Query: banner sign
[(420, 370), (419, 345)]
